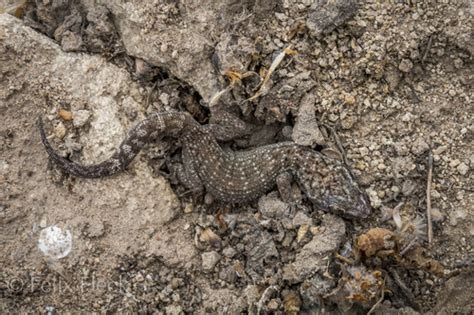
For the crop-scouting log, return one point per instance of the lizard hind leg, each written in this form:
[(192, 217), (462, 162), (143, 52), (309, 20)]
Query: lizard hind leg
[(188, 176), (128, 149)]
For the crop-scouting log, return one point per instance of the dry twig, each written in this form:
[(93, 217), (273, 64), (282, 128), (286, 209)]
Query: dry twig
[(372, 309), (428, 196)]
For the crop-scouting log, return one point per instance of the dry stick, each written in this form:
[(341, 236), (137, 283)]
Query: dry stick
[(428, 47), (372, 309), (406, 248), (428, 196)]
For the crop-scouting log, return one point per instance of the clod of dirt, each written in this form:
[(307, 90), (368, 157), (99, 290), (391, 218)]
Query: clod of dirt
[(209, 260), (325, 15), (306, 131), (273, 207), (311, 258)]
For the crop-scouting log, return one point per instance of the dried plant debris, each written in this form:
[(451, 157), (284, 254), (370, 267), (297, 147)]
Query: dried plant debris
[(357, 288)]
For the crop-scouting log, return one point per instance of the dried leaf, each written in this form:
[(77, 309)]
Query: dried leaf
[(65, 114), (302, 231)]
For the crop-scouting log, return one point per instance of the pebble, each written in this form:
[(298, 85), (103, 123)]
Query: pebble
[(393, 78), (363, 151), (164, 98), (375, 201), (456, 216), (301, 218), (454, 163), (458, 63), (281, 16), (436, 215), (435, 194), (173, 310), (463, 169), (440, 149), (80, 117), (407, 117), (209, 260), (229, 252), (60, 130), (408, 187), (95, 229), (405, 65), (306, 131), (419, 146), (272, 207)]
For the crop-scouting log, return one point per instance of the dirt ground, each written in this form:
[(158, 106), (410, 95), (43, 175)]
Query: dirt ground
[(392, 79)]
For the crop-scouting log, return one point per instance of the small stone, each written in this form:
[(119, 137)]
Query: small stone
[(375, 201), (407, 117), (440, 149), (273, 207), (458, 63), (139, 278), (435, 194), (419, 146), (363, 151), (43, 223), (347, 122), (273, 305), (349, 99), (301, 218), (393, 78), (95, 229), (281, 16), (60, 130), (80, 117), (436, 215), (408, 187), (209, 260), (229, 252), (360, 165), (164, 98), (188, 208), (457, 216), (463, 169), (306, 131), (325, 16), (173, 310), (405, 65), (71, 41), (454, 163)]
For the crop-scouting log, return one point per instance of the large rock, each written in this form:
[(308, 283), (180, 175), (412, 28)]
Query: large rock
[(313, 256), (37, 78)]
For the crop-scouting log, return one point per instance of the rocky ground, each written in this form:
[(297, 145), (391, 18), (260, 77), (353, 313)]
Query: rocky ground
[(386, 85)]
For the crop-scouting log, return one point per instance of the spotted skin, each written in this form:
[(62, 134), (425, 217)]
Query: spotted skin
[(229, 176)]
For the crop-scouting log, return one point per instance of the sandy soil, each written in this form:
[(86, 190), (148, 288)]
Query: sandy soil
[(394, 79)]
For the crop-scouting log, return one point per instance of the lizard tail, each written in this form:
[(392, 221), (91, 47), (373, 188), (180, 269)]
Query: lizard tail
[(127, 151)]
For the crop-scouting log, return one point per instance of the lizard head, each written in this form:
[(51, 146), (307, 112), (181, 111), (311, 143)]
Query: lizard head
[(333, 189)]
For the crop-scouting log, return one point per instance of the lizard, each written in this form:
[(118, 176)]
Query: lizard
[(232, 176)]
